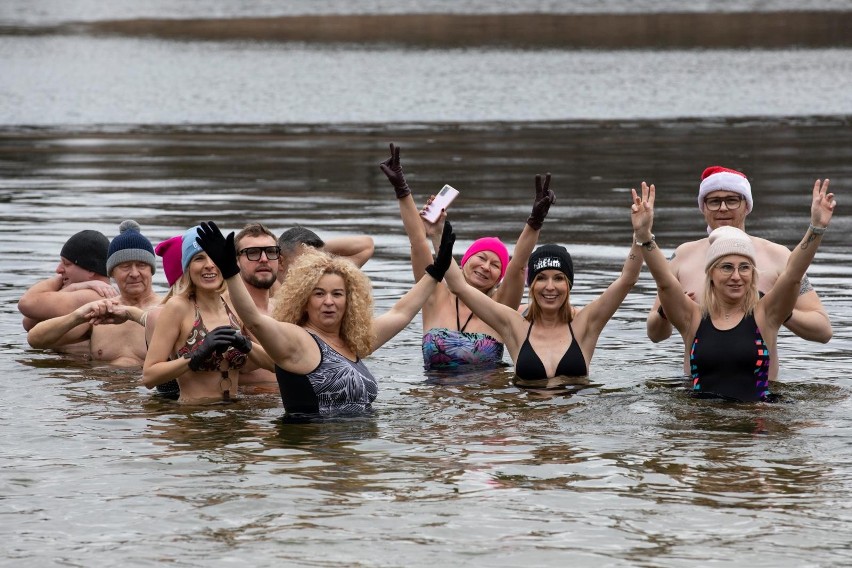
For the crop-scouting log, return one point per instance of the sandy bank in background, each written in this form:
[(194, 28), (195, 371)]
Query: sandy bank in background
[(600, 31)]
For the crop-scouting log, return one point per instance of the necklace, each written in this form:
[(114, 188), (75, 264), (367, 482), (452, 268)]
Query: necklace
[(729, 314)]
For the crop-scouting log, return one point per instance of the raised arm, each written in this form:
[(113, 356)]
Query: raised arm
[(403, 311), (421, 252), (511, 290), (601, 310), (680, 310), (779, 301), (283, 342), (359, 249)]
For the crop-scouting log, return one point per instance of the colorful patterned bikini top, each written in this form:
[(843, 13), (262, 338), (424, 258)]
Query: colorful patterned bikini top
[(444, 348), (236, 359)]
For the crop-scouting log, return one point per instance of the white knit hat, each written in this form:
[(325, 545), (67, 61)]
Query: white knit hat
[(717, 178), (728, 240)]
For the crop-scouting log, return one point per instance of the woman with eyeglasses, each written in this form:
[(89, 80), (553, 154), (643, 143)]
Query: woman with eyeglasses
[(731, 332), (454, 337), (322, 325), (198, 340)]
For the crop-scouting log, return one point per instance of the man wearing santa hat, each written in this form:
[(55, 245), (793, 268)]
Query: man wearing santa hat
[(724, 198)]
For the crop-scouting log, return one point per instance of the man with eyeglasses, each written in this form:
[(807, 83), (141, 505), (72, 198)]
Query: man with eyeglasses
[(258, 255), (725, 199)]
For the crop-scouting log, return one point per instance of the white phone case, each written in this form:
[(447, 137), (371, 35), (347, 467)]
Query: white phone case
[(441, 201)]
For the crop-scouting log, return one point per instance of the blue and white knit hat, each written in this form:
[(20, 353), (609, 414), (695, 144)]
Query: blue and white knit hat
[(129, 245), (189, 246)]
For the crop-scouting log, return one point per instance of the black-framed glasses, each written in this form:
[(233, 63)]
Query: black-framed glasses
[(253, 253), (728, 268), (731, 202)]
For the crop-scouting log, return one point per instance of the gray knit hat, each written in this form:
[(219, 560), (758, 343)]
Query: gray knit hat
[(130, 244), (727, 240), (87, 249)]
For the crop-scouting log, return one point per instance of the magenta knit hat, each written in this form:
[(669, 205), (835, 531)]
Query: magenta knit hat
[(491, 244), (170, 250)]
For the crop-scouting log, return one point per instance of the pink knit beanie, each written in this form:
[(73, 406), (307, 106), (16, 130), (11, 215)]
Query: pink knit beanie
[(170, 250), (491, 244)]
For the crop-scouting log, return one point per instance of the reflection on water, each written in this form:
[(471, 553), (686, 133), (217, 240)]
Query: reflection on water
[(626, 470)]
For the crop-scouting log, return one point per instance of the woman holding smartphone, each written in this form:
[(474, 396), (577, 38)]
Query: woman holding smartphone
[(454, 336)]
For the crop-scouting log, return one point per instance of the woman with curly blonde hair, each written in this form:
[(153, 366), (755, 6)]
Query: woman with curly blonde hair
[(322, 325), (309, 267)]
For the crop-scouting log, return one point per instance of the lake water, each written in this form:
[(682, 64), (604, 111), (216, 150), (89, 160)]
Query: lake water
[(470, 471)]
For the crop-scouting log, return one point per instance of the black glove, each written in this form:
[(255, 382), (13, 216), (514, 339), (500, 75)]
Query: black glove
[(394, 172), (445, 254), (217, 341), (241, 343), (544, 198), (220, 249)]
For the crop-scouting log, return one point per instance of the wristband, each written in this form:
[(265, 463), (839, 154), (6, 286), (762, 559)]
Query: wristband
[(818, 231), (647, 244)]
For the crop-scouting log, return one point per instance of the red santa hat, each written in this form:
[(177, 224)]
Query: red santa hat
[(717, 178)]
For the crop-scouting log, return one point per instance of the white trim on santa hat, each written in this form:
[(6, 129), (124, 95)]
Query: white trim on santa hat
[(725, 181)]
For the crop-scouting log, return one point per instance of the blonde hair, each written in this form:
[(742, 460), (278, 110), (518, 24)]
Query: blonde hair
[(709, 301), (291, 300), (566, 313)]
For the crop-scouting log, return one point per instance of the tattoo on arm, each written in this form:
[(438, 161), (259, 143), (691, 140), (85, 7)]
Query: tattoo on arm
[(631, 256), (806, 286), (810, 239)]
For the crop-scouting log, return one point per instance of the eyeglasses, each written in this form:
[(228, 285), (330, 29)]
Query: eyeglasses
[(715, 203), (253, 253), (727, 268)]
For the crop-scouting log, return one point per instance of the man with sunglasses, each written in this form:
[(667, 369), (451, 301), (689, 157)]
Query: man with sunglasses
[(258, 254), (725, 199)]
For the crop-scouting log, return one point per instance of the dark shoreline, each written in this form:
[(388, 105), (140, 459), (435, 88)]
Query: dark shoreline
[(812, 29)]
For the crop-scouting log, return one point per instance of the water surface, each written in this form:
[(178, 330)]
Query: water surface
[(626, 471)]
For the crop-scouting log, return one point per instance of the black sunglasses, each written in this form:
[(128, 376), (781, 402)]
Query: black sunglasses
[(253, 253)]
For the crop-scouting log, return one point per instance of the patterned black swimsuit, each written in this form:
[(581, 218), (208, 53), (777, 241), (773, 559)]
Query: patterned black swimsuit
[(336, 386)]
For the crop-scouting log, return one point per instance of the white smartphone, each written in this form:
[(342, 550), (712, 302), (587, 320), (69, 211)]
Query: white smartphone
[(441, 201)]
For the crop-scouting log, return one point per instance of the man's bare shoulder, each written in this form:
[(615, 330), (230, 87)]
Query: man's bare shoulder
[(685, 249)]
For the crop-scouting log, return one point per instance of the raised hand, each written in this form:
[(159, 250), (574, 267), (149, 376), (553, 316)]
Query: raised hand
[(822, 207), (393, 170), (642, 212), (544, 198), (217, 341), (444, 258), (220, 249)]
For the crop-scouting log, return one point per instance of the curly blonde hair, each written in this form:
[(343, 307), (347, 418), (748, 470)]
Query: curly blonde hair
[(291, 300)]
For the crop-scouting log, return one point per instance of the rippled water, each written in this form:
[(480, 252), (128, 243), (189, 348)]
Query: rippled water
[(470, 470), (627, 471)]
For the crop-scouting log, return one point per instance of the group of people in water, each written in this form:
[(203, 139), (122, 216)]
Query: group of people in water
[(251, 313)]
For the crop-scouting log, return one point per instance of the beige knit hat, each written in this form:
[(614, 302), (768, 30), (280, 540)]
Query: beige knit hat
[(728, 240)]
